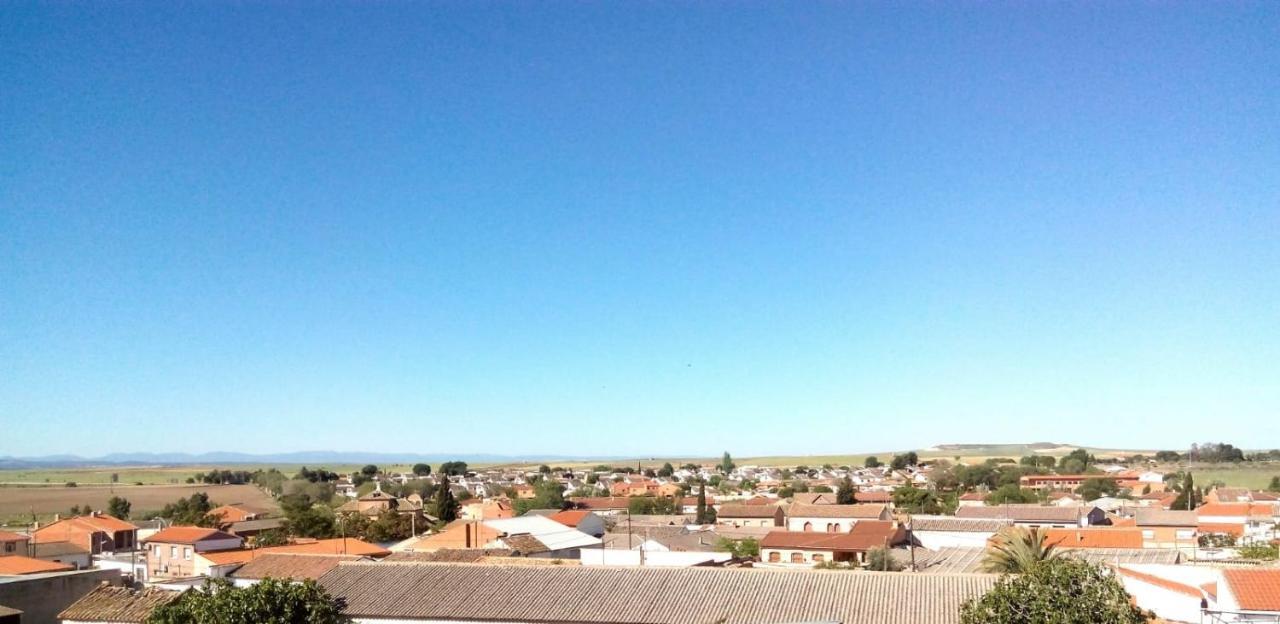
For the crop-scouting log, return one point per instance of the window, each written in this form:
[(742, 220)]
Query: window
[(1185, 534), (808, 526), (797, 557), (186, 553), (832, 527), (775, 556), (8, 546), (1148, 534), (818, 558), (173, 552)]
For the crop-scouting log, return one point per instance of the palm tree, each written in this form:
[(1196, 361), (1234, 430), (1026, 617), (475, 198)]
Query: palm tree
[(1018, 550)]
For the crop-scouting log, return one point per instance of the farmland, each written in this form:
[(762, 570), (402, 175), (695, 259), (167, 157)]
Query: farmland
[(17, 504)]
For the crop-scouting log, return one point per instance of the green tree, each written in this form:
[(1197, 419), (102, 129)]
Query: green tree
[(544, 469), (270, 601), (667, 470), (881, 559), (1093, 489), (369, 471), (547, 494), (444, 506), (652, 505), (845, 493), (748, 548), (304, 518), (726, 463), (916, 500), (1018, 551), (872, 462), (1189, 497), (193, 510), (421, 470), (453, 468), (1011, 494), (704, 514), (1063, 591), (270, 537), (119, 507)]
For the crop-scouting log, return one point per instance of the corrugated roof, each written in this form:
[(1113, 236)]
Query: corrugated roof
[(969, 560), (652, 595), (449, 555), (108, 603), (1148, 516), (959, 525)]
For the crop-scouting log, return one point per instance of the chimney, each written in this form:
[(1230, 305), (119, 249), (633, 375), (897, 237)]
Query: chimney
[(57, 517)]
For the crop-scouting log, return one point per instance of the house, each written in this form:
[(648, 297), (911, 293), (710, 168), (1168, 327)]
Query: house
[(1166, 529), (1252, 595), (1035, 516), (65, 552), (96, 533), (602, 505), (224, 562), (251, 528), (493, 508), (1101, 537), (638, 487), (377, 502), (814, 498), (237, 512), (1249, 521), (879, 497), (581, 520), (531, 536), (972, 499), (576, 594), (738, 515), (171, 553), (833, 518), (1069, 482), (13, 543), (17, 565), (790, 548), (118, 605), (938, 532)]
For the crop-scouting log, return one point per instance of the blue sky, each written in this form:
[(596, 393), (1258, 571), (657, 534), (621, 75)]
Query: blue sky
[(637, 228)]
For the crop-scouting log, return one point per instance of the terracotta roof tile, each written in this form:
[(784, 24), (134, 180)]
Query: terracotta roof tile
[(107, 603), (1095, 538), (1255, 590), (870, 510), (187, 535), (866, 534), (290, 566), (569, 518), (14, 565)]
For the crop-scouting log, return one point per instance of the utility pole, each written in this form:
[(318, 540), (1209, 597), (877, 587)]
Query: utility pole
[(911, 542)]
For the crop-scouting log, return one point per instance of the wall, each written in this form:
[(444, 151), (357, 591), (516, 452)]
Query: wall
[(843, 525), (933, 540), (41, 597)]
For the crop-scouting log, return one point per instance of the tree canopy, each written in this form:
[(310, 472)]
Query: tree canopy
[(270, 601), (119, 507), (1062, 591), (193, 510)]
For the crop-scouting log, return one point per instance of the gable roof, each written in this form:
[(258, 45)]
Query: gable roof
[(572, 594), (334, 546), (1255, 590), (1025, 513), (9, 536), (107, 603), (865, 535), (569, 518), (15, 565), (856, 510), (747, 511), (188, 535), (1147, 516), (290, 566)]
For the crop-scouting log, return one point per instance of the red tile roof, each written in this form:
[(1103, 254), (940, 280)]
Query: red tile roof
[(569, 518), (1255, 590), (1228, 529), (187, 535), (335, 546), (866, 534), (8, 536), (13, 565)]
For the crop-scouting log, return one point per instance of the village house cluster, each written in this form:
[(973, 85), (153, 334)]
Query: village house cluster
[(860, 535)]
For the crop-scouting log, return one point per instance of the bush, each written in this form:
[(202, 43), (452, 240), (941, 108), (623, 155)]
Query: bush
[(1261, 552), (1062, 591)]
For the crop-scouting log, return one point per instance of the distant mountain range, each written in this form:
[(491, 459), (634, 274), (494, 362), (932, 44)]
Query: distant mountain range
[(301, 457)]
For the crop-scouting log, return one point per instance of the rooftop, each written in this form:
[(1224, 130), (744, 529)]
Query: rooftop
[(108, 603), (574, 594)]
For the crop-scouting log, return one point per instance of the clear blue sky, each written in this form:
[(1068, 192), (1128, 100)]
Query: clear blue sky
[(637, 228)]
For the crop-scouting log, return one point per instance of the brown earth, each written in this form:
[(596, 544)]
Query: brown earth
[(16, 501)]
